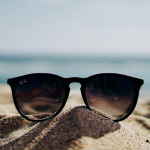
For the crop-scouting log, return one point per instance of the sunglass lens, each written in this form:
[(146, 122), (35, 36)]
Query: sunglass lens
[(110, 94), (39, 97)]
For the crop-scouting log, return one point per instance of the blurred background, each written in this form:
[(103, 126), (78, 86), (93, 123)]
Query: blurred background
[(75, 38)]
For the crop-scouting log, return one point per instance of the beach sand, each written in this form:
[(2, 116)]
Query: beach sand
[(75, 127)]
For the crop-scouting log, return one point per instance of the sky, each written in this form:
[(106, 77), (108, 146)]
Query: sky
[(75, 27)]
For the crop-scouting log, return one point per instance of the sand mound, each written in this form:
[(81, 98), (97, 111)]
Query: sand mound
[(74, 128)]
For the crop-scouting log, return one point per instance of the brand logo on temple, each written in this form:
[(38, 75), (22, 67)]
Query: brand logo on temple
[(22, 82)]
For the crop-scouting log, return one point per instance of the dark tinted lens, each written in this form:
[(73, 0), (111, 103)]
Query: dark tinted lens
[(39, 97), (110, 94)]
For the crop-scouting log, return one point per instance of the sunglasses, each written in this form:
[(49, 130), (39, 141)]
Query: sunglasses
[(40, 96)]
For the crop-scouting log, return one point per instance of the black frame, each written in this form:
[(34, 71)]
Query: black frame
[(83, 81)]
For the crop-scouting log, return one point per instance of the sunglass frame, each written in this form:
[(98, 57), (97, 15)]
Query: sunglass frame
[(83, 81)]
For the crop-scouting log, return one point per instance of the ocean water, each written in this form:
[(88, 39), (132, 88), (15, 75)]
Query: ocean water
[(69, 66)]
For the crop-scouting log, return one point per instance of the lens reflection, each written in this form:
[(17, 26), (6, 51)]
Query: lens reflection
[(112, 95), (40, 96)]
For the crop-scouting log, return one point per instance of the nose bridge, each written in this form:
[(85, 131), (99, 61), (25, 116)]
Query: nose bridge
[(75, 79)]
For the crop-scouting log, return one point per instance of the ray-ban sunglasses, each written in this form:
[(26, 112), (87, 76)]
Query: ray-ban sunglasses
[(40, 96)]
